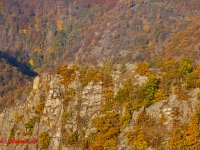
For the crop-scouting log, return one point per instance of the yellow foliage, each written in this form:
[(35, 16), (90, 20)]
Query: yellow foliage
[(160, 95), (17, 117), (137, 138), (150, 44), (68, 74), (38, 70), (22, 31), (89, 74), (143, 69), (198, 94), (31, 62), (39, 108), (186, 137), (188, 19), (55, 62), (126, 118), (192, 133), (177, 140), (168, 64), (45, 139), (146, 27), (107, 128), (59, 24), (72, 138), (162, 119), (37, 49)]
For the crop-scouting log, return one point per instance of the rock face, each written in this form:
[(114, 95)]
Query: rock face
[(46, 103)]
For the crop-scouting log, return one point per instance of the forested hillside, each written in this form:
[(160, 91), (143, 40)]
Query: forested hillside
[(45, 34), (41, 35), (114, 107), (113, 74)]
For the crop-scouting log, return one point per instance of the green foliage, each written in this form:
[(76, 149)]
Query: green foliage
[(150, 88), (30, 124), (71, 92), (107, 87), (185, 66), (136, 104), (44, 140), (124, 92), (190, 79), (126, 118), (73, 138), (66, 100), (66, 1), (123, 67), (66, 116), (107, 66), (12, 132)]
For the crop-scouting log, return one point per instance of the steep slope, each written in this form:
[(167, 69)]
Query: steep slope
[(14, 84), (41, 35), (45, 34), (84, 115)]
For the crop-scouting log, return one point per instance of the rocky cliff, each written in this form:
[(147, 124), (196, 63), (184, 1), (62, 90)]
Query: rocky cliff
[(49, 121)]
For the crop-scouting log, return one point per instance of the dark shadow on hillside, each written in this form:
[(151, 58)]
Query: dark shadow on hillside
[(21, 66)]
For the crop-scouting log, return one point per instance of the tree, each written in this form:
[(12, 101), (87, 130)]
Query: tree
[(45, 139), (137, 138), (143, 69), (177, 140), (124, 92), (192, 133), (150, 88), (68, 74), (185, 66)]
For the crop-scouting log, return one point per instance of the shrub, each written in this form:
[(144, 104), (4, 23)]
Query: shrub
[(17, 117), (45, 139), (124, 92), (150, 88), (198, 95), (126, 118), (39, 108), (72, 138), (30, 125), (162, 119), (160, 95), (107, 128), (136, 138), (143, 69), (66, 115)]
